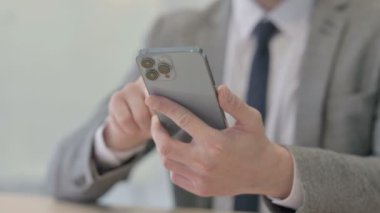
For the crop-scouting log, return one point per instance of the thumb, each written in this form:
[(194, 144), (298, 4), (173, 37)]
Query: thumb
[(236, 107)]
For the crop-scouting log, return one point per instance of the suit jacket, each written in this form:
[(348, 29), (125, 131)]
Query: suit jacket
[(337, 141)]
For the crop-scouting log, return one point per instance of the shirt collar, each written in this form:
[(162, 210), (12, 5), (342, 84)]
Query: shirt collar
[(289, 17)]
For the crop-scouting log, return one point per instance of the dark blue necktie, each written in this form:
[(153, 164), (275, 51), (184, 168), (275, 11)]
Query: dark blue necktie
[(257, 91)]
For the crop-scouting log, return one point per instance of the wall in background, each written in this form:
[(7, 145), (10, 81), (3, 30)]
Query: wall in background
[(58, 58)]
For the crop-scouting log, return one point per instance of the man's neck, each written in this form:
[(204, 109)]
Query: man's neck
[(268, 5)]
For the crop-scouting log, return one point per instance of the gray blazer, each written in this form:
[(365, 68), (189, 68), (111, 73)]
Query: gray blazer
[(338, 120)]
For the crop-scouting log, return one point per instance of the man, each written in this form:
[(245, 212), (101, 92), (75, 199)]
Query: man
[(308, 69)]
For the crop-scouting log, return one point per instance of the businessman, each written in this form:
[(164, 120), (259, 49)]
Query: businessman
[(301, 86)]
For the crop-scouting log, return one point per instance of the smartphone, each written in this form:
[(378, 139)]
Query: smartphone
[(182, 74)]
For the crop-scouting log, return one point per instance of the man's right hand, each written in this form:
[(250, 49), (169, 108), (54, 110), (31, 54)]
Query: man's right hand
[(129, 119)]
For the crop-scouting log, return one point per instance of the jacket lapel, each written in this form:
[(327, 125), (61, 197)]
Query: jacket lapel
[(213, 38), (327, 27)]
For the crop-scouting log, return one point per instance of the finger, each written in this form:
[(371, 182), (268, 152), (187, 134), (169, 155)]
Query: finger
[(140, 111), (115, 126), (150, 109), (236, 107), (141, 84), (112, 129), (181, 116), (183, 182), (177, 167), (168, 147), (121, 113)]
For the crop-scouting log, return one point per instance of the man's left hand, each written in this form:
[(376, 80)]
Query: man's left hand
[(236, 160)]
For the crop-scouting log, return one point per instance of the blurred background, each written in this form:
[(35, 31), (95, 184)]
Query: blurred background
[(58, 58)]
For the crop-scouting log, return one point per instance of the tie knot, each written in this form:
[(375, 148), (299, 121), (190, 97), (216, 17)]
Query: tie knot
[(265, 31)]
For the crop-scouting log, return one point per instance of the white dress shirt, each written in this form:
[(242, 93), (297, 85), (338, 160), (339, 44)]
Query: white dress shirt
[(292, 18)]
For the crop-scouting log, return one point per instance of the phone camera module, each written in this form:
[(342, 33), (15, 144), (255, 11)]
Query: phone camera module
[(152, 75), (147, 63), (164, 68)]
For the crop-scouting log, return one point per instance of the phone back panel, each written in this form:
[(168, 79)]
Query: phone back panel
[(190, 83)]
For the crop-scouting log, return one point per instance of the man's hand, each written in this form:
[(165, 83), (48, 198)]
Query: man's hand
[(129, 119), (237, 160)]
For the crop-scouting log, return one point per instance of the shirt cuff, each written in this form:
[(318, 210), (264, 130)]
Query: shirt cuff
[(295, 198), (108, 158)]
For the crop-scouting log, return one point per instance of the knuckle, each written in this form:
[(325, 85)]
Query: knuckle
[(175, 178), (184, 119), (115, 99), (217, 149), (132, 89), (206, 168), (202, 188), (256, 114), (129, 87), (143, 116), (119, 95), (139, 83), (111, 107), (166, 163), (236, 103), (126, 119), (164, 150)]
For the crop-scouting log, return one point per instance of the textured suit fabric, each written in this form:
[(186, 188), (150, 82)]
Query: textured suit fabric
[(337, 141)]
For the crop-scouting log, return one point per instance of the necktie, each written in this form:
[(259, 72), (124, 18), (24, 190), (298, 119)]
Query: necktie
[(256, 96)]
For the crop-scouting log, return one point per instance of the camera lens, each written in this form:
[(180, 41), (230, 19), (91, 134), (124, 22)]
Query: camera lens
[(164, 68), (152, 75), (147, 63)]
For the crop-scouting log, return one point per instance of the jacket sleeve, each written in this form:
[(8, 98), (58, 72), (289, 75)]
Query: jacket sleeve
[(73, 174), (336, 182)]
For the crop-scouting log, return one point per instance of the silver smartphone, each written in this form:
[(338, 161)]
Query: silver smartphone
[(183, 75)]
